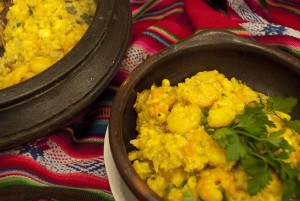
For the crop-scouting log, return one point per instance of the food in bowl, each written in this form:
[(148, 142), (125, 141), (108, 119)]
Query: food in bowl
[(210, 138), (38, 34)]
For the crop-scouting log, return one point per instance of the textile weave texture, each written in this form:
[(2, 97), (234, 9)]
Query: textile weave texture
[(70, 161)]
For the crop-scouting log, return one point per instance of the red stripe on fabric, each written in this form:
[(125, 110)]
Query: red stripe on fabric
[(163, 4), (148, 5), (205, 17), (234, 16), (104, 112), (179, 30), (286, 43), (33, 168), (99, 112), (284, 17), (284, 40), (170, 31), (120, 77), (285, 5), (163, 15), (295, 1), (152, 46), (141, 26), (258, 8), (77, 150), (104, 116)]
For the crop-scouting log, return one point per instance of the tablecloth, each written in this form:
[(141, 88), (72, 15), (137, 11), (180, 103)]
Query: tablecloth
[(70, 162)]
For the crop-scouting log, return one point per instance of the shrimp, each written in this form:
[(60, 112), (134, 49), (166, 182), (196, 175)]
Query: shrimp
[(213, 182)]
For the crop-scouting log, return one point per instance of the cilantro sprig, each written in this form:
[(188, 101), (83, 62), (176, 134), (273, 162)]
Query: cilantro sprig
[(248, 142)]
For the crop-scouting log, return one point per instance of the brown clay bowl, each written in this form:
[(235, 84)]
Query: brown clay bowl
[(264, 69), (41, 105)]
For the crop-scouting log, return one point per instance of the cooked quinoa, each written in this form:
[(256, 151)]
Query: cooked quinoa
[(178, 158), (38, 34)]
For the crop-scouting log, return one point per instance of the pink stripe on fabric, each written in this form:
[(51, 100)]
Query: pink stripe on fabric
[(77, 150), (31, 167), (146, 47)]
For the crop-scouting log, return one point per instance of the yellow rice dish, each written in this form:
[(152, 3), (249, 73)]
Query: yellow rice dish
[(178, 156), (38, 33)]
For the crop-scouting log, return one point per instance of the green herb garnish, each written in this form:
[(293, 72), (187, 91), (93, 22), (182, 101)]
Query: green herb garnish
[(181, 186), (169, 188), (70, 8), (247, 141), (188, 196)]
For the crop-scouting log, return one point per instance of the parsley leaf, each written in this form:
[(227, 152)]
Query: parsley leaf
[(253, 165), (248, 142), (254, 120), (258, 182), (291, 183), (274, 137), (229, 140), (295, 125), (283, 155), (285, 105)]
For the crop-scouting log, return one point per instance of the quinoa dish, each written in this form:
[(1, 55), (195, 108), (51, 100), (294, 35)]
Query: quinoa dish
[(37, 33), (211, 138)]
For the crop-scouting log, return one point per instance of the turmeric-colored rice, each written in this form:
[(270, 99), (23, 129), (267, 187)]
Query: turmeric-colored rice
[(176, 156), (38, 34)]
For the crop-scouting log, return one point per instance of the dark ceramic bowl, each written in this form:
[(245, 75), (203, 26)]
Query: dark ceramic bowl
[(264, 69), (42, 104)]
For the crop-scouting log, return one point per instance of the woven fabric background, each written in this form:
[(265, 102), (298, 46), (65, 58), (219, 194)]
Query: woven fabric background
[(70, 162)]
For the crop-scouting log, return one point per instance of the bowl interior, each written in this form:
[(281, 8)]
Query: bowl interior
[(259, 69), (59, 95), (262, 72)]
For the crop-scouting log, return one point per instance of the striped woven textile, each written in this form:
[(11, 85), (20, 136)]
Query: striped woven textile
[(69, 163)]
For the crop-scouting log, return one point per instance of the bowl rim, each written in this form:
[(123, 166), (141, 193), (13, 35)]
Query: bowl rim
[(204, 38), (69, 63), (65, 100)]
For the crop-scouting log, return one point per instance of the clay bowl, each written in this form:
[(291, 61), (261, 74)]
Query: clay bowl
[(51, 99), (264, 69)]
